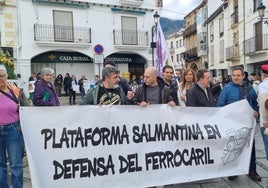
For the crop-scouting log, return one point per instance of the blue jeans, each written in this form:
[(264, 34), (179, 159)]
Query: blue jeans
[(11, 144), (265, 141)]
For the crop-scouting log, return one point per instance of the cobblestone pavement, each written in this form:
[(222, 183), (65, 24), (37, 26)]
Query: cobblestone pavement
[(241, 182)]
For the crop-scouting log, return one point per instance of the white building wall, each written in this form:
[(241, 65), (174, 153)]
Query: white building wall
[(102, 21), (251, 18)]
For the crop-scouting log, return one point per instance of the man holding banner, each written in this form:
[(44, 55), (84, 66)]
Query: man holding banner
[(153, 91), (108, 92), (235, 91)]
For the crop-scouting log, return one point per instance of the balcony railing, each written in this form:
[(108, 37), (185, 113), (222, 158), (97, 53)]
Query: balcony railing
[(128, 37), (232, 53), (50, 33), (190, 55), (192, 29), (255, 44)]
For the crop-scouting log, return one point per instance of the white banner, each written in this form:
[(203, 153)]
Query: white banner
[(132, 146)]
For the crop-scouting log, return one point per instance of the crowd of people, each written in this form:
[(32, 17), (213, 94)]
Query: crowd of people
[(176, 87)]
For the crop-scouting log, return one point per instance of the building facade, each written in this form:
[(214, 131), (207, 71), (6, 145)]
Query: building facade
[(191, 58), (8, 26), (175, 42), (77, 37)]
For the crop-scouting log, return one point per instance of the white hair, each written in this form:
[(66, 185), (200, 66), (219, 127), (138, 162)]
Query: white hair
[(3, 68)]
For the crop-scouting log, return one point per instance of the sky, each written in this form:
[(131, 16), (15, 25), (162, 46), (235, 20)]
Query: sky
[(177, 9)]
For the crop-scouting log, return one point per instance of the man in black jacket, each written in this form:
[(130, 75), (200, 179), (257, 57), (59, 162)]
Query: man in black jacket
[(200, 94), (167, 74), (153, 90)]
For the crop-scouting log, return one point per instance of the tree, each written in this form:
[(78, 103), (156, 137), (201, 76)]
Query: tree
[(8, 63)]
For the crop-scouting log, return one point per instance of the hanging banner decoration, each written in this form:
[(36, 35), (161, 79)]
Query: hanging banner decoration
[(135, 147), (162, 50)]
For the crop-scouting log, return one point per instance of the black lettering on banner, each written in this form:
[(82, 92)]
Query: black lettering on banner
[(74, 138), (168, 159), (212, 132), (47, 136), (129, 164), (83, 168), (166, 132)]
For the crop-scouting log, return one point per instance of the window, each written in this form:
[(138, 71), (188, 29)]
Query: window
[(222, 51), (211, 30), (63, 26), (211, 55), (256, 4), (159, 3), (178, 57), (177, 44), (129, 30), (221, 26), (171, 45)]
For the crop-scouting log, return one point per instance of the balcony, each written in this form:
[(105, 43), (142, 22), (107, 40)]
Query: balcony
[(131, 39), (190, 55), (255, 44), (232, 53), (192, 29), (131, 2), (61, 35)]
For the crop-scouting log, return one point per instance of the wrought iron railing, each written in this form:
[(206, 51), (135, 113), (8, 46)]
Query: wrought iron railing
[(190, 55), (192, 29), (255, 44), (128, 37), (51, 33), (232, 52)]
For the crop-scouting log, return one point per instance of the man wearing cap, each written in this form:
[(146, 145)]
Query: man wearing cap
[(237, 90), (263, 96)]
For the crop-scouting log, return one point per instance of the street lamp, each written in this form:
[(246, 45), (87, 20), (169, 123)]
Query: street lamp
[(261, 10), (154, 28)]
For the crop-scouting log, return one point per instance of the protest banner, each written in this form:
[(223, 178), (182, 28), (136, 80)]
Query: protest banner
[(132, 146)]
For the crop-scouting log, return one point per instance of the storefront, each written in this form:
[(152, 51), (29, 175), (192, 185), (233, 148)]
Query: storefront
[(64, 62), (127, 62)]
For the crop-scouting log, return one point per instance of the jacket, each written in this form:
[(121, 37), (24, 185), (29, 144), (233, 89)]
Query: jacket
[(122, 83), (173, 88), (41, 89), (141, 95), (196, 96), (232, 93), (92, 96)]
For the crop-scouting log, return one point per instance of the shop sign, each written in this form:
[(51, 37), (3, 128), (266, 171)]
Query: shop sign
[(62, 57)]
